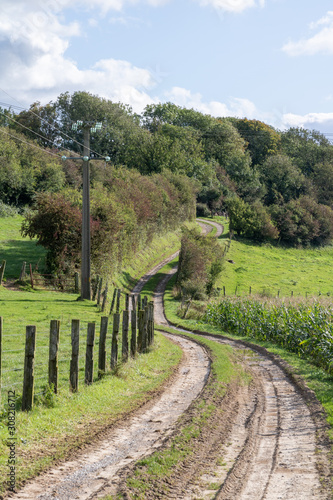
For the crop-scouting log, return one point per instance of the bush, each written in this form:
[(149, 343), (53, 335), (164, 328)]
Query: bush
[(251, 221), (203, 210), (7, 210), (303, 222), (200, 264)]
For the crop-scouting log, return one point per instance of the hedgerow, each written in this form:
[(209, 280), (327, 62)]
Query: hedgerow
[(127, 210)]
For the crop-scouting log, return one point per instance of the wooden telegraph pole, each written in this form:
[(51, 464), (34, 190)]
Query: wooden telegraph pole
[(85, 249)]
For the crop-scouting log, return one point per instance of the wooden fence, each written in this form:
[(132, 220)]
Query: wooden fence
[(135, 325)]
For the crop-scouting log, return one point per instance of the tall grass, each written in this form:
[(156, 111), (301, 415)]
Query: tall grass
[(305, 329)]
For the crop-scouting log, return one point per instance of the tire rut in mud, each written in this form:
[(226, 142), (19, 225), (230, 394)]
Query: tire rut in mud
[(259, 443)]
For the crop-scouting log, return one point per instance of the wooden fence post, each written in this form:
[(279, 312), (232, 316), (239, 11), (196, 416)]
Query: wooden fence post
[(105, 296), (74, 366), (151, 323), (2, 270), (145, 329), (76, 283), (133, 330), (95, 288), (140, 339), (113, 301), (102, 347), (89, 370), (114, 346), (29, 365), (118, 300), (124, 347), (31, 277), (224, 290), (53, 353), (22, 274), (99, 291)]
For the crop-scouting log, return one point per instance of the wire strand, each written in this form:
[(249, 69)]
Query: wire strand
[(51, 125), (29, 144)]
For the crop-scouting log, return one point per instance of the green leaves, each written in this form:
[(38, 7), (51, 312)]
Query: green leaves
[(305, 330)]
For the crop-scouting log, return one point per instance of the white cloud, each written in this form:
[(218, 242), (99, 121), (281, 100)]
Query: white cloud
[(34, 65), (236, 6), (322, 41), (306, 121), (236, 107)]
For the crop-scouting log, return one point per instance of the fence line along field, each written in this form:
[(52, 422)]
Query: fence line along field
[(71, 358)]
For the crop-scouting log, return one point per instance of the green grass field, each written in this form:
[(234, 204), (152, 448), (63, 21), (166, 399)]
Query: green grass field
[(15, 249), (271, 270), (19, 308)]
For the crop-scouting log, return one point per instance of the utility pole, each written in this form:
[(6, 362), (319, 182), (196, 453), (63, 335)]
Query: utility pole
[(85, 255), (86, 246)]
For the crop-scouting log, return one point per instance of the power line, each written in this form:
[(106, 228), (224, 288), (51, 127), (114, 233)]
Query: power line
[(27, 128), (29, 143), (50, 125)]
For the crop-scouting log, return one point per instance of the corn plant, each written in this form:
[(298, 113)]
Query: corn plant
[(303, 329)]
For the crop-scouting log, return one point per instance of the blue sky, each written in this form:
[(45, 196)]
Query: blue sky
[(262, 59)]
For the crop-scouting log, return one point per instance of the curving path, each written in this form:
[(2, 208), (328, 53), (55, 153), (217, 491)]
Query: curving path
[(267, 439)]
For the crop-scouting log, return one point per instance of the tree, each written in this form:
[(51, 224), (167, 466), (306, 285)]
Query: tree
[(306, 148), (39, 123), (322, 178), (5, 117), (262, 140), (283, 180), (251, 220), (303, 222), (25, 170)]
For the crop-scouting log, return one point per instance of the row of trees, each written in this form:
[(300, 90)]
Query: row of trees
[(282, 182)]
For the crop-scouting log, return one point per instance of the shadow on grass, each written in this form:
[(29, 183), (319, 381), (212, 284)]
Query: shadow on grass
[(16, 252)]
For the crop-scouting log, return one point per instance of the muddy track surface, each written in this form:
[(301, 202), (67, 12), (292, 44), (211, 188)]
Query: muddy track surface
[(264, 441)]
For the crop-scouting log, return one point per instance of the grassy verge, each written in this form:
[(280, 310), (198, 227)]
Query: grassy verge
[(208, 221), (48, 434), (159, 248)]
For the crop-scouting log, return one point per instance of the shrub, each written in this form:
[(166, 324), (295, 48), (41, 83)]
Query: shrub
[(251, 221), (127, 210), (203, 210), (200, 264), (303, 221), (7, 210)]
